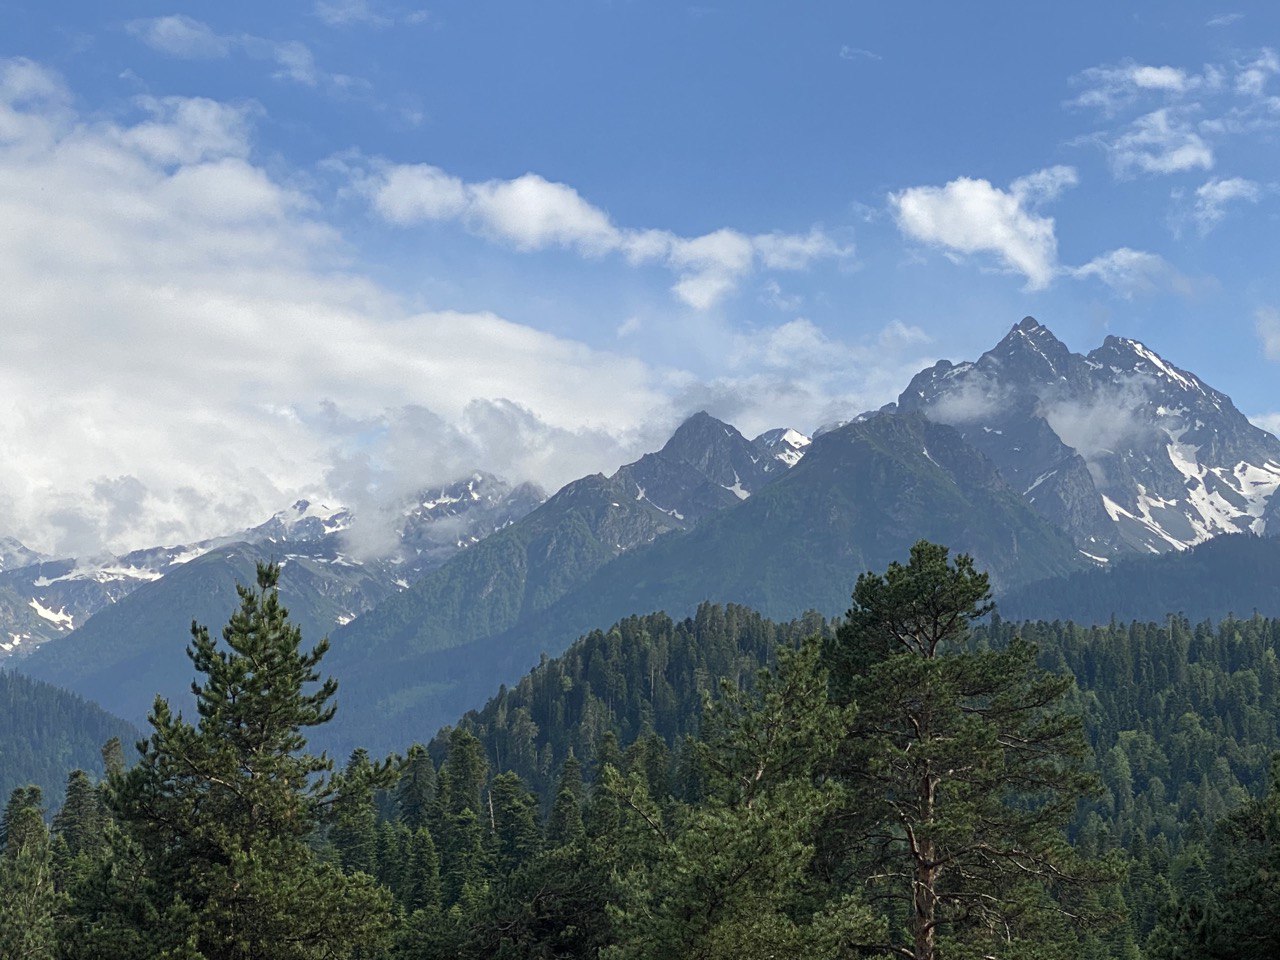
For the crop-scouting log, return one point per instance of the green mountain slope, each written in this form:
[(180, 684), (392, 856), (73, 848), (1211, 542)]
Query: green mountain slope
[(134, 649), (860, 497), (45, 733), (1236, 574)]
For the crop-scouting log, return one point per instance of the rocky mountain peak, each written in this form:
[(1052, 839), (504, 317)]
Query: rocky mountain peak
[(1120, 447), (1032, 347)]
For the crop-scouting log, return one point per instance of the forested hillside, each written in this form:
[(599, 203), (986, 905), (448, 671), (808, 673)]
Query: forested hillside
[(45, 732), (1237, 574), (718, 786)]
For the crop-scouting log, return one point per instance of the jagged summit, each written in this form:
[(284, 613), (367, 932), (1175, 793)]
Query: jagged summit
[(1122, 448)]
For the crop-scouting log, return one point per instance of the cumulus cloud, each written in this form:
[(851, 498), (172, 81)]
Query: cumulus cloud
[(176, 317), (531, 213), (187, 346), (1267, 322), (969, 216), (1131, 272)]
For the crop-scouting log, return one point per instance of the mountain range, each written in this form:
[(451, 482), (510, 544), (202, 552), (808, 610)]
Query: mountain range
[(1041, 462)]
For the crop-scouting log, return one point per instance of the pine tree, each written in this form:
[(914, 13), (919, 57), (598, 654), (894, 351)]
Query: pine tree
[(963, 768), (222, 811)]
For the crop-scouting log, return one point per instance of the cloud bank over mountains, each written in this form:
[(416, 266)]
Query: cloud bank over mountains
[(187, 344)]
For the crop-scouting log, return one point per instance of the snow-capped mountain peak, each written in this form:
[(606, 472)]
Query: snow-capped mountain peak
[(1122, 448), (783, 444)]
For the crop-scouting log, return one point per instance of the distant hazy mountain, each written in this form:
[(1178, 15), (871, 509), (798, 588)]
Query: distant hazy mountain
[(1237, 574), (501, 556), (858, 499), (50, 599), (1120, 448), (1040, 462)]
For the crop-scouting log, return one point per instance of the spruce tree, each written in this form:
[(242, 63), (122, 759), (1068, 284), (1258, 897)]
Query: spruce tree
[(223, 810), (28, 900), (416, 790), (725, 879)]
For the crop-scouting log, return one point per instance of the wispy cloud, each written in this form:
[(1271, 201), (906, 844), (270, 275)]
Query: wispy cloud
[(1224, 20), (1176, 115), (1110, 89), (1267, 421), (970, 216), (858, 53), (185, 38), (1267, 323), (367, 13), (531, 213), (1130, 273), (1213, 197), (1159, 142), (181, 36)]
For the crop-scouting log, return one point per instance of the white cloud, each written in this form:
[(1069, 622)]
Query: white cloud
[(1131, 272), (796, 375), (175, 322), (1179, 114), (1213, 196), (187, 346), (1224, 20), (1112, 88), (532, 213), (1096, 426), (181, 36), (1251, 80), (968, 216), (1267, 320), (1044, 186), (1159, 142), (1267, 421), (185, 38)]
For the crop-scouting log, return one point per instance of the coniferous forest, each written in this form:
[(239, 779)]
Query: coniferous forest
[(918, 779)]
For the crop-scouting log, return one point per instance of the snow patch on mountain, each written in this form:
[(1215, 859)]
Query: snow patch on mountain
[(60, 618)]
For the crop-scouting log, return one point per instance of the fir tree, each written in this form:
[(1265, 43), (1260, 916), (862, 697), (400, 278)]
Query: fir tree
[(28, 900)]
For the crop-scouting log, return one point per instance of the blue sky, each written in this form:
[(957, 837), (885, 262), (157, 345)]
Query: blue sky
[(346, 246)]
